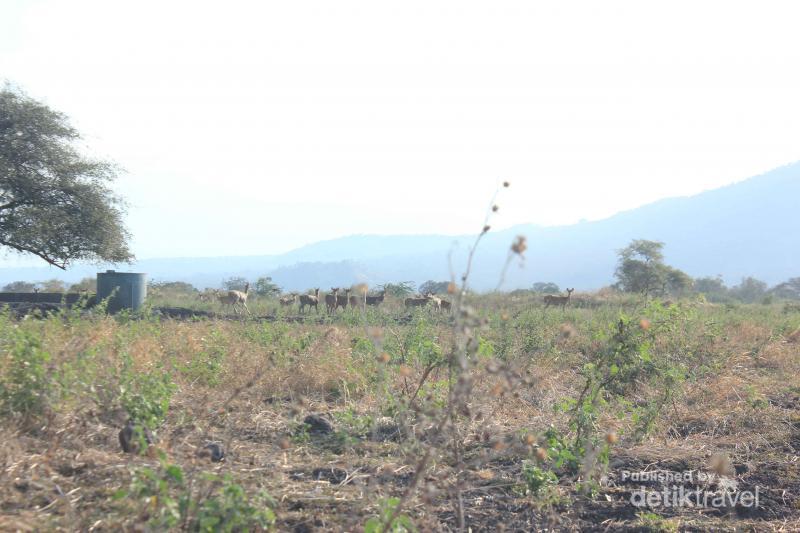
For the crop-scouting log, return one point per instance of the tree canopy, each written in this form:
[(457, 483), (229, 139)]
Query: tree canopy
[(55, 203), (545, 287), (788, 289), (266, 287), (234, 283), (641, 269), (434, 287)]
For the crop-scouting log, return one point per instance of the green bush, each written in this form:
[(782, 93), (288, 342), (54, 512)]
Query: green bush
[(145, 396), (26, 387)]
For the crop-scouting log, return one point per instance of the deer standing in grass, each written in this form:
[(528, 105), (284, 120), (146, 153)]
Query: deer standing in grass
[(435, 300), (236, 299), (310, 300), (332, 300), (376, 300), (343, 300), (288, 301), (355, 301), (416, 301), (558, 300)]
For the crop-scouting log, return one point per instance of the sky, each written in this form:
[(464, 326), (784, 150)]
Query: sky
[(248, 128)]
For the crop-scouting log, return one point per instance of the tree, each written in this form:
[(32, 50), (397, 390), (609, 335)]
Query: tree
[(434, 287), (172, 287), (53, 285), (677, 282), (19, 286), (234, 283), (54, 202), (714, 289), (265, 287), (86, 284), (750, 290), (789, 289), (545, 287), (641, 269), (399, 290)]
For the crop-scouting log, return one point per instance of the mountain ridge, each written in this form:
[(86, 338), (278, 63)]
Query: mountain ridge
[(750, 227)]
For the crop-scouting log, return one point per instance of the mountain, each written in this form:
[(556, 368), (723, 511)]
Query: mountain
[(749, 228)]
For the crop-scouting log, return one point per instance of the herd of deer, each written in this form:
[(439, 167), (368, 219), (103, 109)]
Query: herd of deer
[(333, 300)]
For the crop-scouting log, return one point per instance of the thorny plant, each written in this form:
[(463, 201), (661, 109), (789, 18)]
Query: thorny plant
[(450, 423)]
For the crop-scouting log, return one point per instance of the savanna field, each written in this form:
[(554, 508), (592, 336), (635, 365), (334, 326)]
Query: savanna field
[(501, 415)]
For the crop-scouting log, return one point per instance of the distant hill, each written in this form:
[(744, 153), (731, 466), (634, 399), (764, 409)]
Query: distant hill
[(748, 228)]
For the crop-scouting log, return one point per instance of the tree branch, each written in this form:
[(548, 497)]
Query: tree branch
[(42, 255)]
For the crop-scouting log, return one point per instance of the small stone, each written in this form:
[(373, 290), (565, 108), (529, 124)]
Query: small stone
[(318, 424), (132, 435), (212, 450)]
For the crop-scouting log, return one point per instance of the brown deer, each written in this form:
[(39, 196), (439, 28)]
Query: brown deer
[(416, 301), (332, 300), (435, 300), (289, 300), (235, 299), (376, 300), (445, 305), (558, 300), (310, 300), (343, 300), (355, 302)]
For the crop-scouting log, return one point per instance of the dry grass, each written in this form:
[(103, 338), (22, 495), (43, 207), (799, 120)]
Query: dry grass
[(248, 385)]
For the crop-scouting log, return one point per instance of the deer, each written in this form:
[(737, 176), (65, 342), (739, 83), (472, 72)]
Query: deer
[(332, 300), (207, 295), (310, 300), (288, 301), (445, 305), (343, 300), (437, 302), (416, 301), (558, 300), (235, 299), (376, 300), (356, 302)]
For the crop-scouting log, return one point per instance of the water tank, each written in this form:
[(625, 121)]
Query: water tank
[(131, 289)]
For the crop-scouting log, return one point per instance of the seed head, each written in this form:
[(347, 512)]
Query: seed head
[(519, 245)]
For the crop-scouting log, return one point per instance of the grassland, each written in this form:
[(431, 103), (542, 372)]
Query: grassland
[(502, 416)]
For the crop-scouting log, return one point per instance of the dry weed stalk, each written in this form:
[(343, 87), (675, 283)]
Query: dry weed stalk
[(451, 422)]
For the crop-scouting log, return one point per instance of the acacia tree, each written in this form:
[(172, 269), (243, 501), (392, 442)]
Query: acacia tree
[(642, 269), (788, 289), (434, 287), (55, 203), (750, 290), (545, 287), (266, 287)]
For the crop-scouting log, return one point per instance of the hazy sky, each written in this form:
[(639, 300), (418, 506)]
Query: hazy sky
[(257, 127)]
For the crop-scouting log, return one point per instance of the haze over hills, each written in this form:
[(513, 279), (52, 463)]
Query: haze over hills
[(749, 228)]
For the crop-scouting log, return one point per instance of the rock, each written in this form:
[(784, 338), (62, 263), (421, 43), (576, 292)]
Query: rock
[(212, 450), (318, 424), (132, 435), (385, 429)]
